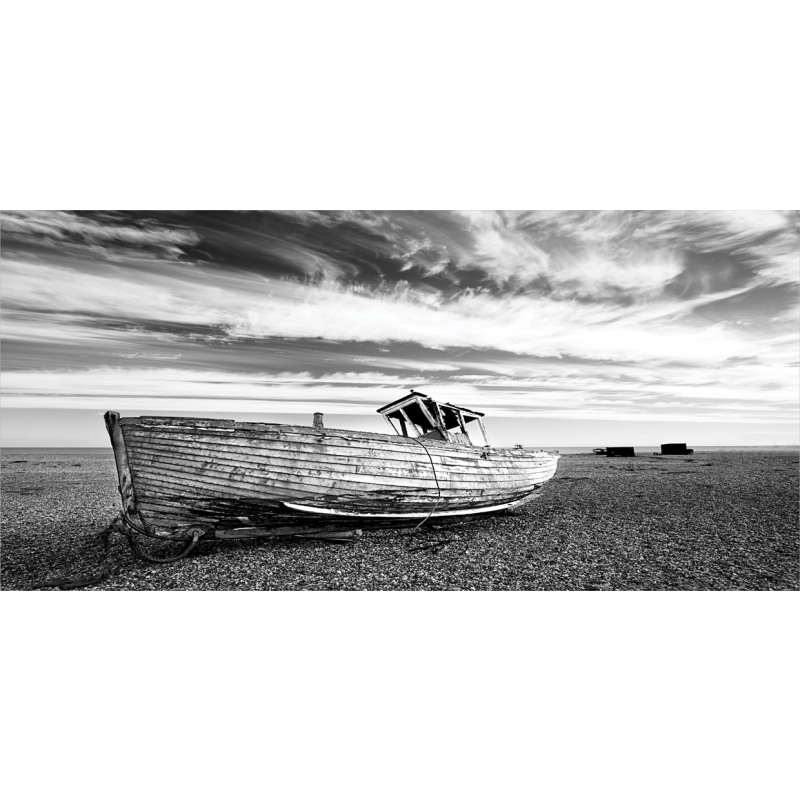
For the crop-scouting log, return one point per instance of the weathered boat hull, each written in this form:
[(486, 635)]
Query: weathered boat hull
[(219, 474)]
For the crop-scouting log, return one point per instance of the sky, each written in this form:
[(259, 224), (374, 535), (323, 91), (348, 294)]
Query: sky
[(567, 328)]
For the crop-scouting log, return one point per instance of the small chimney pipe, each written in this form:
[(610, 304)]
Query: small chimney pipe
[(318, 420)]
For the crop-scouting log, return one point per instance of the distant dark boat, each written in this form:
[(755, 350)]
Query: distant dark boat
[(228, 479), (620, 452), (675, 449)]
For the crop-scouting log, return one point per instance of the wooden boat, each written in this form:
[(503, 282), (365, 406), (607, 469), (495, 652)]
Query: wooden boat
[(228, 479)]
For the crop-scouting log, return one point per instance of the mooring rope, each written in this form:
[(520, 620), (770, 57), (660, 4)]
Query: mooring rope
[(125, 526), (436, 478), (151, 558), (89, 580)]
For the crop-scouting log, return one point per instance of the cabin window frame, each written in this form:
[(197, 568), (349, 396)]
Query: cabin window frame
[(465, 419), (434, 419)]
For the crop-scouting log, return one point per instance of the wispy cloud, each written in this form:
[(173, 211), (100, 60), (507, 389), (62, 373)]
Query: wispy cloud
[(580, 397), (104, 228), (256, 307), (146, 356)]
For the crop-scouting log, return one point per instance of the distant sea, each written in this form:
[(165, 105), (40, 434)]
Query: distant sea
[(643, 449), (698, 448), (57, 449)]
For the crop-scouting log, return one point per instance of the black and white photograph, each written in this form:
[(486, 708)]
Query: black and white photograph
[(400, 400)]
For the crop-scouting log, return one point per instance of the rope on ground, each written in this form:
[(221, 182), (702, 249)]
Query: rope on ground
[(88, 580), (125, 526)]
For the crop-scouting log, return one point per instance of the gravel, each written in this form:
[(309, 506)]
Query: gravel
[(717, 520)]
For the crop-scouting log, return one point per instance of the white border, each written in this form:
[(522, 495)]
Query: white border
[(434, 105)]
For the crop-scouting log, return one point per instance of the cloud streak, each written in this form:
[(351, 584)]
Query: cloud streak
[(103, 228), (579, 397), (256, 308)]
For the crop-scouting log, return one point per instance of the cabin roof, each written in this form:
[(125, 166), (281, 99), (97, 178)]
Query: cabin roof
[(411, 398), (401, 400), (466, 411)]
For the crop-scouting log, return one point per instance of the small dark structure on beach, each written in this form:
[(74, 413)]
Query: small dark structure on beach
[(620, 452), (675, 449), (599, 451)]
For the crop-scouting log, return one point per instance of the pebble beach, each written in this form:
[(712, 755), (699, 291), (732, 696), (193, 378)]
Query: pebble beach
[(714, 520)]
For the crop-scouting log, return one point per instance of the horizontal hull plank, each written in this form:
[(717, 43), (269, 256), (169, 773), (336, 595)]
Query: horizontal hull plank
[(315, 444), (323, 456), (178, 495), (177, 488), (154, 484), (275, 483), (213, 508), (265, 469), (266, 461), (256, 455), (399, 508)]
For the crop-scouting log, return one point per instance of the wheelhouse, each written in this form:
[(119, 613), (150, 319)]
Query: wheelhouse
[(418, 416)]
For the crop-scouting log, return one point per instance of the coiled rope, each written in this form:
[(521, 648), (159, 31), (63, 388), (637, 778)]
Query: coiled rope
[(196, 534), (125, 526)]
